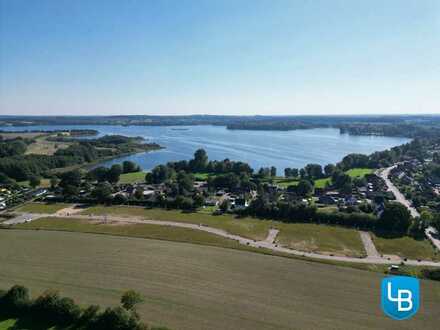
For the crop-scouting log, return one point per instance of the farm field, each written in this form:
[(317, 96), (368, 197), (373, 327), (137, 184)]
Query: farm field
[(321, 239), (186, 287), (247, 227), (132, 177), (42, 207), (406, 247)]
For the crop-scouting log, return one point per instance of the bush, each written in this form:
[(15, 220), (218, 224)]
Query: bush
[(15, 300)]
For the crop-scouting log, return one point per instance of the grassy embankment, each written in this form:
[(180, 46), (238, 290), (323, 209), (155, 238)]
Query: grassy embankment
[(406, 247), (186, 287)]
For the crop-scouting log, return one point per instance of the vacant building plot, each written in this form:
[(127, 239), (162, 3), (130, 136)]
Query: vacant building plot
[(130, 230), (247, 227), (45, 208), (406, 247), (305, 237), (189, 287), (321, 239)]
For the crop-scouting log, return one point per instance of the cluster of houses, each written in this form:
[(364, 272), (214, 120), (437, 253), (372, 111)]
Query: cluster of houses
[(151, 192), (13, 196), (366, 193)]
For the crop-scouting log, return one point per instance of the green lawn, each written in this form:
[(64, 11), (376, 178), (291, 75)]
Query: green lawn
[(359, 172), (187, 287), (201, 176), (7, 324), (247, 227), (406, 247), (321, 238), (355, 172), (42, 207), (285, 182), (132, 177), (321, 183)]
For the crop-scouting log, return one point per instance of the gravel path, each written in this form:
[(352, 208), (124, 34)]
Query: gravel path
[(268, 243), (369, 246)]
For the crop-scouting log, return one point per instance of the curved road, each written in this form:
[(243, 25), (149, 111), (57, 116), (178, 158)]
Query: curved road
[(430, 232)]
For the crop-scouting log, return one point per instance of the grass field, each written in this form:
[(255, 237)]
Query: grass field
[(42, 146), (45, 183), (285, 182), (188, 287), (201, 176), (355, 172), (132, 177), (406, 247), (359, 172), (131, 230), (319, 238), (42, 207), (250, 228)]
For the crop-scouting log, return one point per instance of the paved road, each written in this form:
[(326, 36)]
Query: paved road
[(384, 174), (430, 232)]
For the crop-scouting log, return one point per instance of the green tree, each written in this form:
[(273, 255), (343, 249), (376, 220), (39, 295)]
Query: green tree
[(54, 181), (72, 178), (200, 160), (114, 173), (130, 299), (273, 171), (185, 181), (395, 218), (102, 192), (224, 206), (130, 167), (329, 169), (304, 188), (34, 181), (199, 200), (16, 298)]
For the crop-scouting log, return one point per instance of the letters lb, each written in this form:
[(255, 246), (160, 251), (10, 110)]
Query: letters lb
[(400, 296)]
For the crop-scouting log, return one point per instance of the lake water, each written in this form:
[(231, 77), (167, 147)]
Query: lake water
[(259, 148)]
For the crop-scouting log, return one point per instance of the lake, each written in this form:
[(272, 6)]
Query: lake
[(259, 148)]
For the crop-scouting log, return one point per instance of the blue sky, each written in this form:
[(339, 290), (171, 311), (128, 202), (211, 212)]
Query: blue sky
[(219, 57)]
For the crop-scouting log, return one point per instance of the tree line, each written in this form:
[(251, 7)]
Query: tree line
[(55, 311)]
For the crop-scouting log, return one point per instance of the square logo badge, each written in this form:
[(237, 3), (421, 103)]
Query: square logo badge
[(400, 296)]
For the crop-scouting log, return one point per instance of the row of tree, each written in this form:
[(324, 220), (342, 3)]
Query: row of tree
[(55, 311), (395, 218)]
